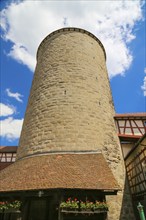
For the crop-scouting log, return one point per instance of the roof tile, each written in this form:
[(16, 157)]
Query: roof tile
[(56, 171)]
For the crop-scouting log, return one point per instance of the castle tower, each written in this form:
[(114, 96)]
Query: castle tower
[(70, 108)]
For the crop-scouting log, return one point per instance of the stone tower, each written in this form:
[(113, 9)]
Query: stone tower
[(70, 107)]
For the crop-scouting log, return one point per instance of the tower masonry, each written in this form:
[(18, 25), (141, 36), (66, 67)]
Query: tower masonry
[(70, 108)]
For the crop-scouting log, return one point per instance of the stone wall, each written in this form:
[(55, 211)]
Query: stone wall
[(70, 106)]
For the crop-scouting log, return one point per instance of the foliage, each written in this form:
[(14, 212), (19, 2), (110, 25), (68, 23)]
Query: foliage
[(86, 205), (83, 205), (100, 205), (70, 203), (4, 205)]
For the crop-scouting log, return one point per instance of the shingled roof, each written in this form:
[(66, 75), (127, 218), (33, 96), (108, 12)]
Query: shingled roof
[(131, 115), (8, 149), (58, 171)]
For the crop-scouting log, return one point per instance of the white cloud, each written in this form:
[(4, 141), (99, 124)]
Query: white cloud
[(6, 110), (11, 128), (21, 54), (16, 95), (26, 23), (143, 87)]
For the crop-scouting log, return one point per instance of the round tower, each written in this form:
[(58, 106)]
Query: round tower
[(70, 107)]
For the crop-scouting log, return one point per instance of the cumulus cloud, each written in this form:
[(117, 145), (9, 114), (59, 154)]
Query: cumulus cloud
[(26, 23), (143, 87), (6, 110), (16, 95), (11, 128)]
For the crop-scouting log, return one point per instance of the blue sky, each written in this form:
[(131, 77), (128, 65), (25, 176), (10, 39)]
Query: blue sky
[(120, 26)]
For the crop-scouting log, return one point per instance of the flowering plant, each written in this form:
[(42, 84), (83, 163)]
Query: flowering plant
[(83, 205), (7, 205), (70, 203), (100, 205), (86, 205)]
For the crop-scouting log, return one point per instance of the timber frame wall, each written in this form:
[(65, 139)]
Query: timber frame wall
[(135, 163)]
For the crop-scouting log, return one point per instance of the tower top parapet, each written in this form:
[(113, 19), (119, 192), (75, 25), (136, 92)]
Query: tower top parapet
[(71, 29)]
